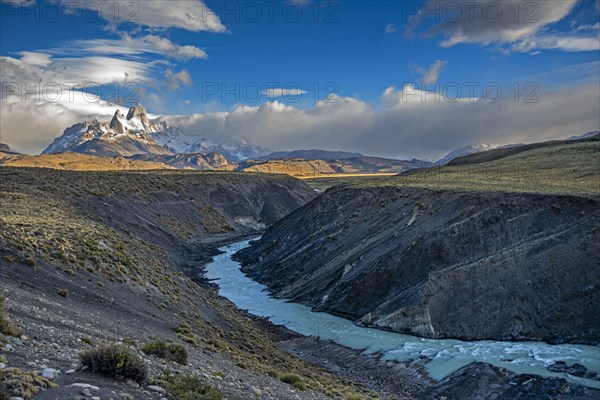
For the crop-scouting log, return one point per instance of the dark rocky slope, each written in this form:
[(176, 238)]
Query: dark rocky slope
[(442, 264)]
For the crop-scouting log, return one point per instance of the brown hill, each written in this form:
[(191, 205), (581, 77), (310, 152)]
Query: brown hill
[(77, 162), (313, 168)]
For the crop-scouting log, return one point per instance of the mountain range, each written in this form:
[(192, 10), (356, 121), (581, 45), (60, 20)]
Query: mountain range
[(233, 149), (138, 138)]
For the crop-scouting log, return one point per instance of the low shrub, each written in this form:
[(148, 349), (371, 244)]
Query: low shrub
[(117, 361), (187, 387), (15, 382), (86, 340), (172, 351), (299, 385), (221, 374), (63, 292), (293, 380), (7, 327), (177, 353), (290, 379), (156, 348), (30, 261), (130, 342)]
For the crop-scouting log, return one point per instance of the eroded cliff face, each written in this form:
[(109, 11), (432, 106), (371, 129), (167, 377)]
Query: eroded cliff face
[(442, 264)]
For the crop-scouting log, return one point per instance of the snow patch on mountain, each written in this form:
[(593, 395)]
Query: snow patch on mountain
[(471, 149), (234, 149)]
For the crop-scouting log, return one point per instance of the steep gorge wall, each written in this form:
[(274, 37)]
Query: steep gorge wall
[(442, 264)]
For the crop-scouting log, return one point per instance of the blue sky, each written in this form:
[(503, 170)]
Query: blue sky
[(355, 49)]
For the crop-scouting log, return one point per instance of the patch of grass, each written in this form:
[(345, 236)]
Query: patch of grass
[(15, 382), (293, 380), (7, 327), (30, 261), (63, 292), (177, 353), (59, 256), (86, 340), (130, 342), (186, 387), (221, 374), (117, 361), (157, 348), (171, 351), (299, 385), (184, 329)]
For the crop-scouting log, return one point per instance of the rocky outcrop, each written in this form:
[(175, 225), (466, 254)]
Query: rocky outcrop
[(442, 264), (485, 381), (117, 125), (138, 112)]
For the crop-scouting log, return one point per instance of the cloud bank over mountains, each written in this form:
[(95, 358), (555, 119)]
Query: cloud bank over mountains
[(408, 123)]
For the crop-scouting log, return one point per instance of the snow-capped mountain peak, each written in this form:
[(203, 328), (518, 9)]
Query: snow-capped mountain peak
[(137, 134), (135, 127)]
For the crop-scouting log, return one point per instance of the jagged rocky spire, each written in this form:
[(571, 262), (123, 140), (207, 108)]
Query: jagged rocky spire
[(138, 112), (116, 124)]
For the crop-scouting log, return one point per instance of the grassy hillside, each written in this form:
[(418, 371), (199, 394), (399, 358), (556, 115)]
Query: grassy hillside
[(93, 257), (559, 168)]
